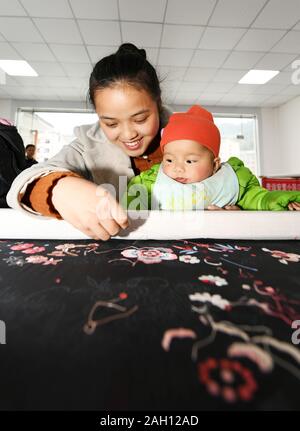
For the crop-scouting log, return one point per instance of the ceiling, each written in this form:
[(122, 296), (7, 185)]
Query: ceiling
[(201, 48)]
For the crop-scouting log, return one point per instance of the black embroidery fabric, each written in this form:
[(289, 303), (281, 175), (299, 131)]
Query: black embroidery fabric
[(150, 325)]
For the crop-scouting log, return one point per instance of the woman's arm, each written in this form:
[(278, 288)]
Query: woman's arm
[(68, 160), (38, 194)]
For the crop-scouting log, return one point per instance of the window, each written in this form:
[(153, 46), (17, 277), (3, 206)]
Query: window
[(238, 138), (50, 130)]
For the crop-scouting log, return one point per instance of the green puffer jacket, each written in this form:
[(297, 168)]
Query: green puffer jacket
[(251, 195)]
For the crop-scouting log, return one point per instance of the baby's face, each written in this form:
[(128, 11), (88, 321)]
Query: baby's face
[(187, 161)]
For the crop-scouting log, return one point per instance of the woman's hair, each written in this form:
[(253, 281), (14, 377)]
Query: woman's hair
[(129, 65)]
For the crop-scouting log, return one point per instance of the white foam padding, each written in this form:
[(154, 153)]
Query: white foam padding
[(164, 225)]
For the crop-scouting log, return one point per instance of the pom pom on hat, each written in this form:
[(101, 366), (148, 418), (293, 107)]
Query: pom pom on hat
[(197, 124)]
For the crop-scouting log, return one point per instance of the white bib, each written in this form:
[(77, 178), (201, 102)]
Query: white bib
[(220, 189)]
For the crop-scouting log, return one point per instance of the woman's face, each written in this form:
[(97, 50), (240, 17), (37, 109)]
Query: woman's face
[(129, 117)]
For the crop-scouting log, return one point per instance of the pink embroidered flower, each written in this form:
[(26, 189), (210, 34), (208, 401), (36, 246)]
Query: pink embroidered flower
[(189, 259), (34, 250), (149, 255), (65, 246), (36, 259), (283, 256), (228, 379), (21, 246), (213, 279)]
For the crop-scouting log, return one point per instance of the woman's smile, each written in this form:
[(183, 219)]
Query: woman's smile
[(133, 146)]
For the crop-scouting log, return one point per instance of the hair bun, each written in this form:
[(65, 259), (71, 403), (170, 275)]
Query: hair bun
[(129, 48)]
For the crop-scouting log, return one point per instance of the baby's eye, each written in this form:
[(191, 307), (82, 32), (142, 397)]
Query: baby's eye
[(168, 160), (191, 161)]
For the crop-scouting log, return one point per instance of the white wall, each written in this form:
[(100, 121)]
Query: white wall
[(271, 158), (281, 139), (6, 109), (289, 136)]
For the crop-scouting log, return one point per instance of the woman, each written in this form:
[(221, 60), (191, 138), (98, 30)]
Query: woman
[(125, 91)]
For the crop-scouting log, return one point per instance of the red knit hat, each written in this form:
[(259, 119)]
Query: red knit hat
[(196, 124)]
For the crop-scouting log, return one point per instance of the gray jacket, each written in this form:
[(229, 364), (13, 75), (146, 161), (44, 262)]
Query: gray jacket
[(91, 155)]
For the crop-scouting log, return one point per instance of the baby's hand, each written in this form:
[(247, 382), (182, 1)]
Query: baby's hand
[(294, 206)]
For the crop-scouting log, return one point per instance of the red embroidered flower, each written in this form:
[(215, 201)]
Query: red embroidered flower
[(21, 246), (228, 379), (34, 250)]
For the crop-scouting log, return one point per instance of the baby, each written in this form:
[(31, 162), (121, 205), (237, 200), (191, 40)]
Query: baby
[(191, 175)]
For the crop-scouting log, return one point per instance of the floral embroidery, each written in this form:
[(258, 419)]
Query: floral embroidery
[(65, 246), (189, 259), (216, 300), (228, 379), (33, 250), (211, 279), (13, 260), (257, 297), (36, 259), (43, 260), (22, 246), (149, 255), (61, 250), (283, 256)]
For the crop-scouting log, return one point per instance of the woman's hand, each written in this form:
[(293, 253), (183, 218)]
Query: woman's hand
[(227, 207), (89, 208), (294, 206)]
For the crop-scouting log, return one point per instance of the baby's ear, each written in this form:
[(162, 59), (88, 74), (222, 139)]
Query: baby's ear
[(217, 163)]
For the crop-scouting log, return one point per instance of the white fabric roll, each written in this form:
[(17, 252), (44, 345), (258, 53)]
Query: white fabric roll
[(164, 225)]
